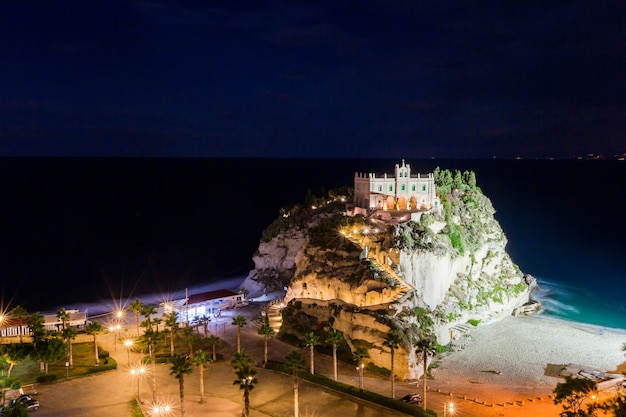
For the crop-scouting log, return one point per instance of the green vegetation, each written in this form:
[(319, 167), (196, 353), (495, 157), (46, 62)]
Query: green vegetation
[(378, 370), (135, 409), (354, 391), (28, 371)]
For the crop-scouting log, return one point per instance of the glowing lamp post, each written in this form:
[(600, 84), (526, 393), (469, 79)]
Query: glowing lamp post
[(161, 410), (1, 320), (116, 331), (448, 408), (128, 344), (360, 370), (138, 373)]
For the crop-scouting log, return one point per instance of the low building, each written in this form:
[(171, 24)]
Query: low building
[(76, 319), (209, 304), (10, 326)]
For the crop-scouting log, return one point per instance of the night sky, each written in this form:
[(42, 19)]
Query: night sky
[(392, 78)]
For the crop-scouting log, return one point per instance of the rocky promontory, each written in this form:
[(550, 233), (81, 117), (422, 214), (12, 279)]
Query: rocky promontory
[(428, 275)]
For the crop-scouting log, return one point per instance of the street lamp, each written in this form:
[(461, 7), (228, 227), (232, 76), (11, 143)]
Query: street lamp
[(1, 320), (448, 408), (360, 370), (138, 373), (128, 344), (115, 329), (161, 410)]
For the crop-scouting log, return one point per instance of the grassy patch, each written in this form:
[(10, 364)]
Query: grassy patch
[(83, 357), (135, 409)]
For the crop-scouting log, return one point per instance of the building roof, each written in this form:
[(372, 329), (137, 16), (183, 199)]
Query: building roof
[(210, 295)]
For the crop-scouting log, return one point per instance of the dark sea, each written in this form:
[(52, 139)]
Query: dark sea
[(75, 232)]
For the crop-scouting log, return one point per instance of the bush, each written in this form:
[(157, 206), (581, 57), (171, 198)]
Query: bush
[(106, 367), (103, 354), (46, 379), (378, 370)]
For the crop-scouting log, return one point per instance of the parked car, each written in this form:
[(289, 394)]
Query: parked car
[(27, 401), (412, 398)]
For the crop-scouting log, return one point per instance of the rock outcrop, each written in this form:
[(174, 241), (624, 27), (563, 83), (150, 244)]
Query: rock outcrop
[(427, 277)]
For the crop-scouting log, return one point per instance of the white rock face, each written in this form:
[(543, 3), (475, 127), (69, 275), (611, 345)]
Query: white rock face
[(430, 275), (275, 263)]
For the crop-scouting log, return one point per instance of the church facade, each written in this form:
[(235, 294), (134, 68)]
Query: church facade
[(401, 190)]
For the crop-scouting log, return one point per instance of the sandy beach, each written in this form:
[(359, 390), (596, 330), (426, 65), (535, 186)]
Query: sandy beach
[(507, 360)]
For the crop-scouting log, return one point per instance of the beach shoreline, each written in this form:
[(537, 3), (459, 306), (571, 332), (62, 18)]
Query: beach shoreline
[(508, 360)]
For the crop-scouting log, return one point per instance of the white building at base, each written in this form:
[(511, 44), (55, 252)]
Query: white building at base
[(400, 191)]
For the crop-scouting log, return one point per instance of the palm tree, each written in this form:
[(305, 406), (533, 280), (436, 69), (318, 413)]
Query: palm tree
[(136, 306), (94, 328), (150, 338), (296, 361), (63, 317), (241, 360), (69, 334), (213, 341), (311, 340), (157, 321), (19, 313), (180, 367), (424, 347), (204, 320), (242, 364), (334, 338), (266, 331), (147, 311), (171, 321), (201, 359), (392, 341), (359, 354), (239, 321), (190, 336)]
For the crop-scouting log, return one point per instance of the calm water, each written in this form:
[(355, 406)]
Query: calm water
[(94, 229)]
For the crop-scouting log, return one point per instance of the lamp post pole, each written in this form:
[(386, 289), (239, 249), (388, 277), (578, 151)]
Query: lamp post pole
[(360, 370), (128, 344), (448, 407)]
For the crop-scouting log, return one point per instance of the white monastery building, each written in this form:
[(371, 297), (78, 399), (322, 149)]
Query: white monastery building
[(400, 191)]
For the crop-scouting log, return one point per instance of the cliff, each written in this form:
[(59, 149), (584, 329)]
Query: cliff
[(426, 274)]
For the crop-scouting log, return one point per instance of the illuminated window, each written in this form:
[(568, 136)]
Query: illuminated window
[(413, 188), (423, 188), (403, 188), (391, 188)]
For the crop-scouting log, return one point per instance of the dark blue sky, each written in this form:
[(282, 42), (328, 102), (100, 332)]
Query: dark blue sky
[(365, 78)]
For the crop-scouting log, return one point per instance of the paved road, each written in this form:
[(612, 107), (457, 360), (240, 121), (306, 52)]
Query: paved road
[(110, 394)]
